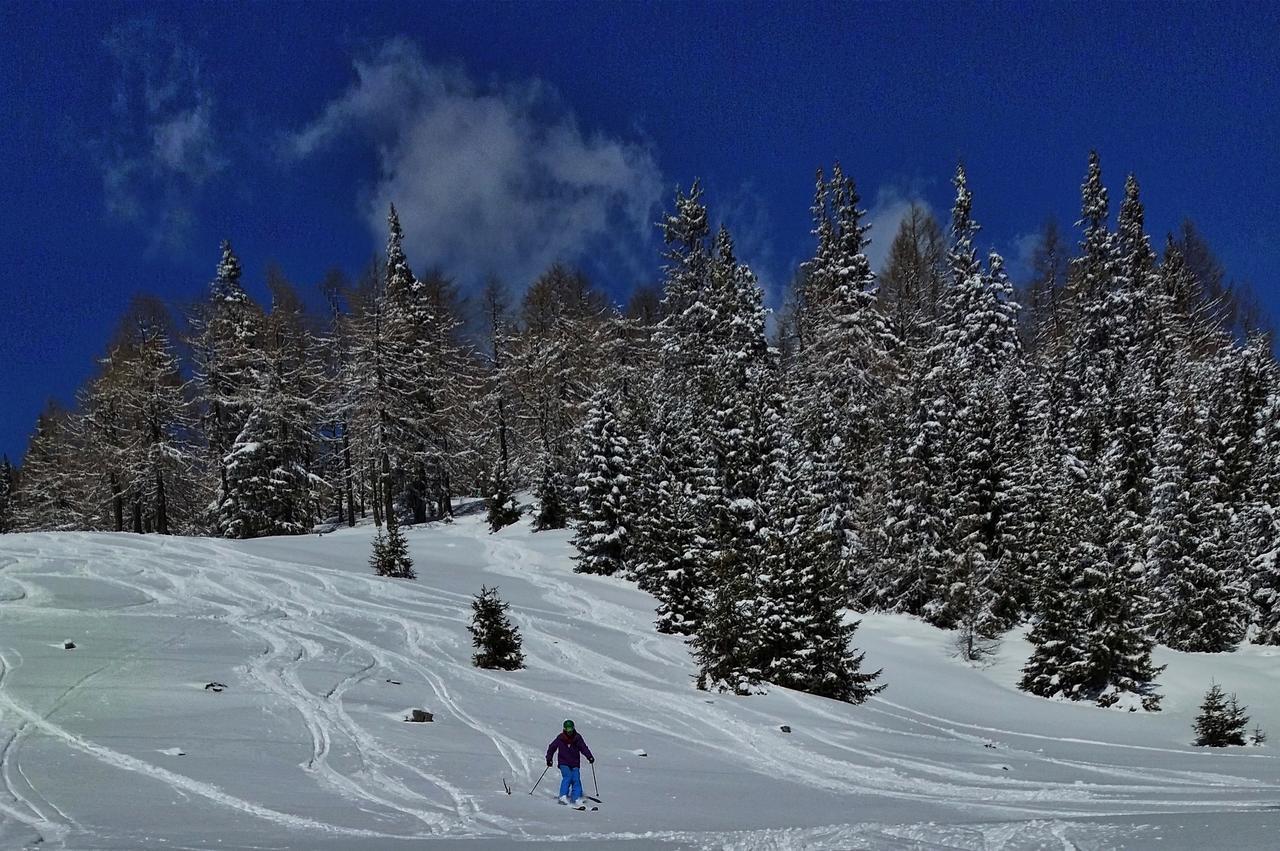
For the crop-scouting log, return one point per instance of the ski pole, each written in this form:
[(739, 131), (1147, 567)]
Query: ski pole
[(544, 774), (593, 778)]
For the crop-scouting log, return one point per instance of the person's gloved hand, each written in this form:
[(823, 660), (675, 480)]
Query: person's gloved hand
[(548, 763), (591, 760)]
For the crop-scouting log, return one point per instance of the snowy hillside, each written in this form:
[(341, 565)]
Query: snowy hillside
[(118, 744)]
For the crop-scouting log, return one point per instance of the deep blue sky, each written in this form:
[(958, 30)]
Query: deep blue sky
[(134, 137)]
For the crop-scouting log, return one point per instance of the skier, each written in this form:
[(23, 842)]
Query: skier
[(569, 747)]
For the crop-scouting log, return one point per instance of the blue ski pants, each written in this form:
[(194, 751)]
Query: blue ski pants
[(570, 782)]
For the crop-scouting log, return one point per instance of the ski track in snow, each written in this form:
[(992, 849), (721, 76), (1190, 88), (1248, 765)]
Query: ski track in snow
[(309, 619), (885, 774)]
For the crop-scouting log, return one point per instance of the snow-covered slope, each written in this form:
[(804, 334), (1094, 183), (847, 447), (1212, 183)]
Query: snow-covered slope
[(118, 744)]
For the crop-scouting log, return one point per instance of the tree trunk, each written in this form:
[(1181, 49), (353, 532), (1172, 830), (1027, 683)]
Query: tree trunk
[(348, 475), (503, 455), (388, 498), (417, 491), (117, 501), (162, 506), (446, 484)]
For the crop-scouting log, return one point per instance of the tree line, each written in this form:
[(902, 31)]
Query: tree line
[(1095, 454)]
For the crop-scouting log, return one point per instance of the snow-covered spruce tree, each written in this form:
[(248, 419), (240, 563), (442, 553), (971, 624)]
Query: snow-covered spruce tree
[(431, 379), (227, 358), (673, 487), (912, 545), (1083, 365), (1195, 558), (6, 496), (945, 362), (978, 378), (983, 586), (1088, 639), (684, 336), (804, 642), (602, 531), (272, 486), (251, 468), (840, 375), (412, 403), (1262, 517), (495, 637), (843, 364), (552, 493), (500, 503), (391, 552), (49, 494), (1054, 637), (1221, 721), (1249, 435), (918, 547), (741, 444)]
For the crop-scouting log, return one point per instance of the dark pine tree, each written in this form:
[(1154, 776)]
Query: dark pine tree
[(495, 637)]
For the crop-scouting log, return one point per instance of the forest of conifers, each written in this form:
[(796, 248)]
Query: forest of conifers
[(1094, 452)]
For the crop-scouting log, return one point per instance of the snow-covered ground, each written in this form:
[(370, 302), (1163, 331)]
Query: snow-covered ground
[(117, 743)]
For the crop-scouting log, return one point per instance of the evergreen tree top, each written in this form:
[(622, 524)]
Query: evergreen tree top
[(399, 277), (226, 283), (1134, 245), (1093, 204), (850, 231), (686, 228), (963, 256), (839, 261), (821, 221)]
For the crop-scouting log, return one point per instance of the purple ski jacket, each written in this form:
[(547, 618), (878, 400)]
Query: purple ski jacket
[(568, 750)]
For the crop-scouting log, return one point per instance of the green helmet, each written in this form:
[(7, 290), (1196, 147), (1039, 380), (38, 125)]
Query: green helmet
[(568, 725)]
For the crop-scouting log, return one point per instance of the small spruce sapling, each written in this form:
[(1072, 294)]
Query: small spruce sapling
[(391, 554), (1221, 721), (501, 503), (496, 639), (552, 511)]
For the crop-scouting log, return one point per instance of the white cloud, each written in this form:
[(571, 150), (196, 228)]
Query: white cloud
[(487, 179), (184, 144), (893, 204), (1023, 254), (160, 147)]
